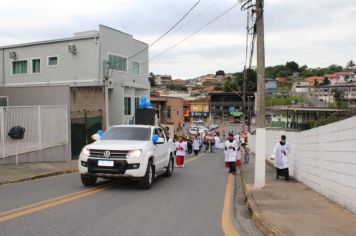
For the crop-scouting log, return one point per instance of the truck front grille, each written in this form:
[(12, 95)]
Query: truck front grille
[(113, 153)]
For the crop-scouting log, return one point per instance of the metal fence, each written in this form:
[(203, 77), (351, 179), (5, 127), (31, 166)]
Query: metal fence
[(45, 127)]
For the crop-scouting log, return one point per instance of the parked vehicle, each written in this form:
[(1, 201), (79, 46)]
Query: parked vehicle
[(213, 126), (139, 152), (197, 123), (194, 130), (197, 130)]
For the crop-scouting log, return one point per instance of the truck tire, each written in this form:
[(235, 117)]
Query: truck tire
[(147, 181), (170, 167), (88, 180)]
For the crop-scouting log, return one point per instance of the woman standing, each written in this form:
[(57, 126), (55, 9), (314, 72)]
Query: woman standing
[(232, 150), (181, 148)]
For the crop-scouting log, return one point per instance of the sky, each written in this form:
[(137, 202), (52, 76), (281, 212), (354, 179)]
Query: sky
[(317, 33)]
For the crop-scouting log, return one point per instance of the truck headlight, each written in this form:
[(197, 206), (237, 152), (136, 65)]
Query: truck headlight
[(85, 152), (134, 154)]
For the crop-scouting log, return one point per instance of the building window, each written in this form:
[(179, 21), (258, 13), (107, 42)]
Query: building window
[(136, 68), (127, 106), (137, 102), (36, 66), (168, 112), (19, 67), (3, 101), (53, 61), (118, 63)]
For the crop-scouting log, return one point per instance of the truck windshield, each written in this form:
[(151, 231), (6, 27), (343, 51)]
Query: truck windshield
[(127, 133)]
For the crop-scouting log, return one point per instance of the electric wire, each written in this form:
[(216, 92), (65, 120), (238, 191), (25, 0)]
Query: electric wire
[(163, 35), (198, 15), (193, 33)]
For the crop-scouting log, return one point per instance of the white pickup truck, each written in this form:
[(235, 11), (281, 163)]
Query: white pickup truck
[(131, 151)]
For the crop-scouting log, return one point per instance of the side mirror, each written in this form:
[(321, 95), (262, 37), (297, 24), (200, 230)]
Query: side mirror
[(95, 137)]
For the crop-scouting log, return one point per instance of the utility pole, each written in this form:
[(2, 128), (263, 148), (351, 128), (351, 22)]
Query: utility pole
[(244, 95), (260, 161), (261, 114)]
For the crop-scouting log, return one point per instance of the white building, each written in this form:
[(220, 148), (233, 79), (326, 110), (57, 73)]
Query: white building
[(163, 79), (105, 72), (104, 58)]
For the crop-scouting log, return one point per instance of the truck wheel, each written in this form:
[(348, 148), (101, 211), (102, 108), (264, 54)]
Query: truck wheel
[(146, 182), (88, 180), (170, 168)]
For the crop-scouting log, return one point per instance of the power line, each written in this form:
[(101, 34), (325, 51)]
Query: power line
[(194, 33), (198, 14), (159, 38)]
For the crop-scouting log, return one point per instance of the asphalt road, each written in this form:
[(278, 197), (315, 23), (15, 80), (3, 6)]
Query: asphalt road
[(190, 202)]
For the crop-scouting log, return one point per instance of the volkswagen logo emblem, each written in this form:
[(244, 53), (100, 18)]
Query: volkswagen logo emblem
[(107, 154)]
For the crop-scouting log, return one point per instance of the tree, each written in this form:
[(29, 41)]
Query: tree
[(292, 66), (180, 87), (333, 69), (235, 82), (152, 79), (338, 96), (350, 65), (326, 81)]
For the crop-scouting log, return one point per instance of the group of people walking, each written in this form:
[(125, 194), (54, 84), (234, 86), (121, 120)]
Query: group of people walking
[(234, 145), (185, 146)]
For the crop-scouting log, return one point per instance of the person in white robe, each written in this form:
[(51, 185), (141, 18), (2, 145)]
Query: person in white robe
[(196, 145), (217, 142), (280, 156), (180, 147), (232, 154)]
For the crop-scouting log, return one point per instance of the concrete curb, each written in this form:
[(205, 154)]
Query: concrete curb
[(265, 226), (39, 176)]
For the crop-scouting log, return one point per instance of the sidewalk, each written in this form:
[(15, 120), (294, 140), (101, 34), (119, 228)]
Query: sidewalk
[(21, 172), (291, 208)]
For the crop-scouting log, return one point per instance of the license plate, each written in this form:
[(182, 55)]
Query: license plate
[(105, 163)]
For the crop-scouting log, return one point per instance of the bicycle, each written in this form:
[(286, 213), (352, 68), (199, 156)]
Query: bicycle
[(246, 153)]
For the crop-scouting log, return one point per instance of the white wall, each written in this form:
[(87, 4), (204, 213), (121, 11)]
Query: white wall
[(81, 67), (323, 158)]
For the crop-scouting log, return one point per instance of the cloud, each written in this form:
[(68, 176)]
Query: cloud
[(316, 33)]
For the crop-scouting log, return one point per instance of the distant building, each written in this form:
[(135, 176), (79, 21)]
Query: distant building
[(301, 86), (207, 77), (299, 118), (199, 109), (270, 85), (325, 93), (179, 82), (315, 80), (281, 79), (341, 77), (163, 79), (169, 110), (221, 103)]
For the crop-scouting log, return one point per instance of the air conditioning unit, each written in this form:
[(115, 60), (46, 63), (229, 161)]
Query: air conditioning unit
[(72, 49), (12, 55)]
